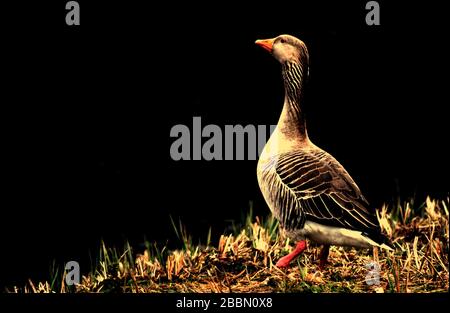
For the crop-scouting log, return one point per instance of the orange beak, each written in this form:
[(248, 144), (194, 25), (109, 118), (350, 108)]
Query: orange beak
[(267, 44)]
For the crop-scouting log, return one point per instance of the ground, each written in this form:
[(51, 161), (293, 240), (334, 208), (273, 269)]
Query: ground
[(244, 261)]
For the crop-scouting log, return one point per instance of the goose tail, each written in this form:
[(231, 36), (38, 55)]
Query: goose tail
[(379, 240)]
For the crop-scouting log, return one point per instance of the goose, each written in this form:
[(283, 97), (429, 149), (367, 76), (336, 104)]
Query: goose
[(307, 190)]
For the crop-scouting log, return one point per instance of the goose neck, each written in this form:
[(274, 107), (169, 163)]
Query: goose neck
[(292, 122)]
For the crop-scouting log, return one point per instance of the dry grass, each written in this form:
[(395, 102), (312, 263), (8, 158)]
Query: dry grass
[(244, 261)]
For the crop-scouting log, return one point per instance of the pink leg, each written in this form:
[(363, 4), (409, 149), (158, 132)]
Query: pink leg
[(284, 261)]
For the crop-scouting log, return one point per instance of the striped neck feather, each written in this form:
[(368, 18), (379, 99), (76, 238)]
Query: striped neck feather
[(292, 117)]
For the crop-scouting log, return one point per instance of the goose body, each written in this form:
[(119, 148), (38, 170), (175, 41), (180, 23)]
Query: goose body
[(306, 188)]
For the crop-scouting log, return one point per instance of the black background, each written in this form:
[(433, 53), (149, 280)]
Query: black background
[(87, 110)]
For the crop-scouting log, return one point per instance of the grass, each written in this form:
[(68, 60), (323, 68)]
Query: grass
[(243, 261)]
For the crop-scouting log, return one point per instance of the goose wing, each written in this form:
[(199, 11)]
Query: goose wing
[(322, 191)]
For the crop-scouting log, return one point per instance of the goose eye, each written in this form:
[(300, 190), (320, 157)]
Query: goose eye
[(282, 41)]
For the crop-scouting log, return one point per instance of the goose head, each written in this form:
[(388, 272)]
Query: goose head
[(286, 49)]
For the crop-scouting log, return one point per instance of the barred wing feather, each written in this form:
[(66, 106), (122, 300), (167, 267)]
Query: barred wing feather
[(312, 185)]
